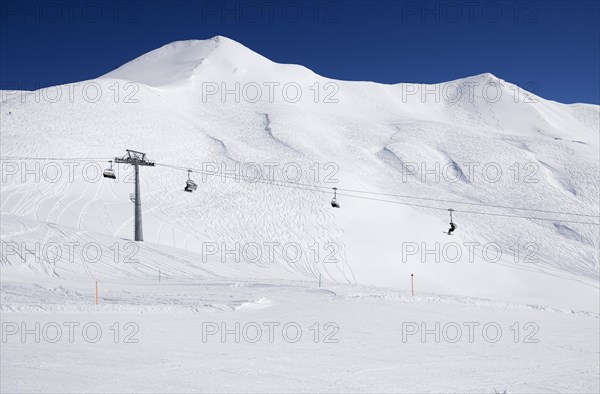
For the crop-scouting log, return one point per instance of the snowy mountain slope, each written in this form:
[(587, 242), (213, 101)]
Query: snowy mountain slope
[(117, 259), (382, 138)]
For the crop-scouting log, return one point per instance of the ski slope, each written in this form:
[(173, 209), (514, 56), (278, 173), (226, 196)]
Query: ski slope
[(476, 145)]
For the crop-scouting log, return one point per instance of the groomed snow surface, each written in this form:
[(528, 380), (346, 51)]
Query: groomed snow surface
[(246, 286)]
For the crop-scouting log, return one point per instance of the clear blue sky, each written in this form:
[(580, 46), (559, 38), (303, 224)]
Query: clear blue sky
[(549, 47)]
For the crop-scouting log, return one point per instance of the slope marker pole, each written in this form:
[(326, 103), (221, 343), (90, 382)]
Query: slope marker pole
[(412, 284), (96, 292)]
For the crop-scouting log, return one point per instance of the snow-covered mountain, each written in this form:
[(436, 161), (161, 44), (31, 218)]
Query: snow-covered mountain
[(259, 245), (201, 103)]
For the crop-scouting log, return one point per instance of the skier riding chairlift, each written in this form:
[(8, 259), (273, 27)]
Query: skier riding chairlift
[(452, 225), (452, 228)]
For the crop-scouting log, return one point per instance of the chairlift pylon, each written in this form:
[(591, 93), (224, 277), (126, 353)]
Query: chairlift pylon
[(190, 185), (109, 172), (334, 202)]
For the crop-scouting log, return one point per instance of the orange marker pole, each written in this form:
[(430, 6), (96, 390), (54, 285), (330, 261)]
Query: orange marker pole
[(412, 284), (96, 292)]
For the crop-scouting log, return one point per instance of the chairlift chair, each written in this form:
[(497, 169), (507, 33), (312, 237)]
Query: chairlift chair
[(334, 202), (109, 172), (452, 224), (190, 185)]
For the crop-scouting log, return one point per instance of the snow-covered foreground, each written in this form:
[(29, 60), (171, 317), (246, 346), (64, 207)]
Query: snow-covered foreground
[(273, 336), (253, 253)]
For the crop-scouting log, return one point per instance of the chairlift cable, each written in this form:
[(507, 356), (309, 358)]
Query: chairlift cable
[(289, 184), (326, 189)]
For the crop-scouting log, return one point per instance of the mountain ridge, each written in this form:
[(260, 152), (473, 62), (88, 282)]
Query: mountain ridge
[(397, 140)]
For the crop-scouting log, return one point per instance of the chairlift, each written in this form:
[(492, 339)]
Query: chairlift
[(190, 185), (109, 172), (452, 224), (334, 202)]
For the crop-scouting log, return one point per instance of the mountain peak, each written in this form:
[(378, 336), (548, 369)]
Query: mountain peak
[(484, 78), (177, 61)]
